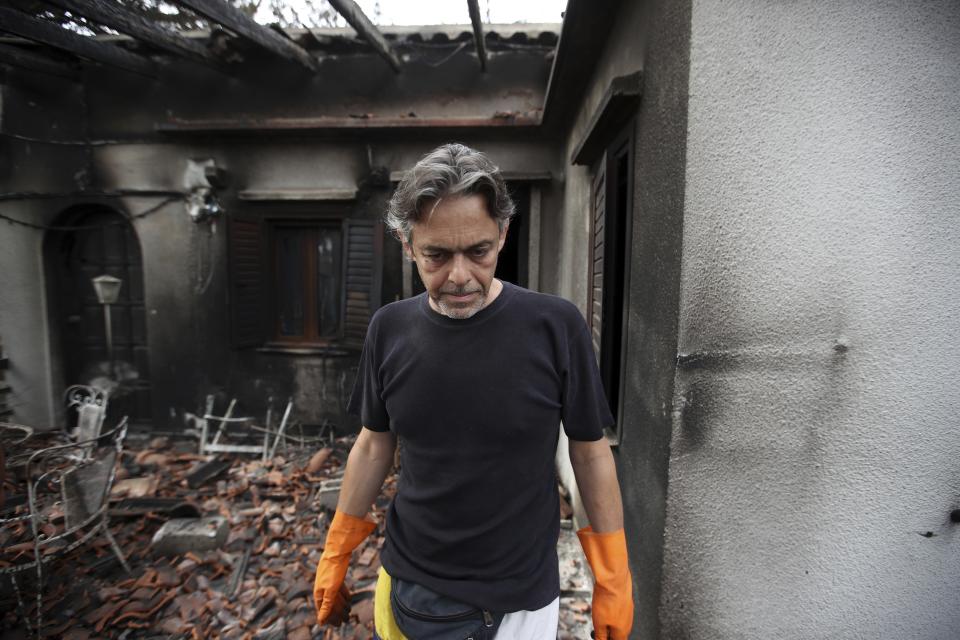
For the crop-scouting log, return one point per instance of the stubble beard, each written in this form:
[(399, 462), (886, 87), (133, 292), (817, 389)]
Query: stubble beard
[(457, 312)]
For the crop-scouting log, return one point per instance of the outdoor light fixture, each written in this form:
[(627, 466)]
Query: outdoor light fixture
[(108, 291), (107, 288), (203, 205), (202, 178)]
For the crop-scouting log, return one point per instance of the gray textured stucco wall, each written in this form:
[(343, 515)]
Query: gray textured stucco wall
[(623, 54), (816, 433), (23, 327), (43, 106), (652, 37), (653, 302)]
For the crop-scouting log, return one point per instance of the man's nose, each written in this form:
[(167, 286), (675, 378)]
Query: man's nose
[(459, 274)]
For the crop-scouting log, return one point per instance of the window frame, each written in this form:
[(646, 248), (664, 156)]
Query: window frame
[(251, 272), (309, 264), (612, 347)]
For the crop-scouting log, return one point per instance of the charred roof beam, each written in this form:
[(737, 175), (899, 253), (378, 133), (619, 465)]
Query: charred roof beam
[(113, 15), (474, 8), (357, 19), (17, 57), (47, 33), (241, 24)]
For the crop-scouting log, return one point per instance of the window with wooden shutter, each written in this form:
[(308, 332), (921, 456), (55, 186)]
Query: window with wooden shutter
[(362, 277), (611, 203), (302, 281), (598, 206), (607, 147), (6, 410), (246, 280)]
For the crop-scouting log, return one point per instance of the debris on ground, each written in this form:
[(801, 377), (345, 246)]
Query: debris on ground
[(223, 547)]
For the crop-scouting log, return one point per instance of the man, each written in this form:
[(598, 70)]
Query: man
[(473, 379)]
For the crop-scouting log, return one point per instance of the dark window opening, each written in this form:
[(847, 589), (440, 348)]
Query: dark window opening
[(301, 280), (612, 207), (614, 278), (307, 283)]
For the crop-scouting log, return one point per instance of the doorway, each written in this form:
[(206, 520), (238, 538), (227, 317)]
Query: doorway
[(86, 242)]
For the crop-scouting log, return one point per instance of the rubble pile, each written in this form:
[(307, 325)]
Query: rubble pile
[(223, 547), (249, 575)]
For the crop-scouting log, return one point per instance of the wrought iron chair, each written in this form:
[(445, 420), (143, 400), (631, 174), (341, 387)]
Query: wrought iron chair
[(90, 404), (69, 483)]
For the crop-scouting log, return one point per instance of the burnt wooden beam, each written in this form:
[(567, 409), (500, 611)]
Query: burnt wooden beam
[(113, 15), (243, 25), (83, 46), (17, 57), (327, 123), (474, 8), (357, 19)]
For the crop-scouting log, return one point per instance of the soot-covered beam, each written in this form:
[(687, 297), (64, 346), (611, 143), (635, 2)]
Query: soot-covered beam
[(50, 34), (474, 8), (113, 15), (357, 19), (243, 25), (17, 57)]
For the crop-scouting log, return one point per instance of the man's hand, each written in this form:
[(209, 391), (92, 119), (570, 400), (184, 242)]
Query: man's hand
[(613, 587), (330, 595), (369, 462)]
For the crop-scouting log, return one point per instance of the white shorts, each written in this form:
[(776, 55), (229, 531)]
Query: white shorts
[(541, 624)]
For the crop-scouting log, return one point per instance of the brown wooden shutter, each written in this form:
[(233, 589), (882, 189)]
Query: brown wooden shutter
[(599, 207), (362, 277), (247, 280), (6, 410)]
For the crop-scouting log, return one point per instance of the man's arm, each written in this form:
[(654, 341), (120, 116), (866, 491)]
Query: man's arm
[(596, 476), (368, 464), (604, 542)]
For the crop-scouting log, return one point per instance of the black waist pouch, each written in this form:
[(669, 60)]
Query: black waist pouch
[(423, 614)]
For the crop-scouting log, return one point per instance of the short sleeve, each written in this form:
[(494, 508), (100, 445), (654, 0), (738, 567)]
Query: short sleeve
[(585, 411), (366, 401)]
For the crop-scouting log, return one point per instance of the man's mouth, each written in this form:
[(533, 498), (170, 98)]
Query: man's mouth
[(459, 295)]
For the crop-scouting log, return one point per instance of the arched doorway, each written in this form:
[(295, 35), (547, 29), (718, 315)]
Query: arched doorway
[(88, 241)]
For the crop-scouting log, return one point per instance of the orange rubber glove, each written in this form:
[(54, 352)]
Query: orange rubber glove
[(613, 587), (329, 593)]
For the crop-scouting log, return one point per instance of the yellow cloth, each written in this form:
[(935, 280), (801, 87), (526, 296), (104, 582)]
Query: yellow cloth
[(386, 626)]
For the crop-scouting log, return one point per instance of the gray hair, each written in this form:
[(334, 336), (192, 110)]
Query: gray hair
[(449, 170)]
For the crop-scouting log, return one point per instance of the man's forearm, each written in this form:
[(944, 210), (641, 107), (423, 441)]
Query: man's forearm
[(368, 464), (596, 475)]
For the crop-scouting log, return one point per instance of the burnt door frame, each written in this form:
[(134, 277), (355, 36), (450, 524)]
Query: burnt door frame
[(86, 241)]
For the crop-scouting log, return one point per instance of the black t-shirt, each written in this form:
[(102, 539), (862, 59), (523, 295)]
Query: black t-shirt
[(476, 405)]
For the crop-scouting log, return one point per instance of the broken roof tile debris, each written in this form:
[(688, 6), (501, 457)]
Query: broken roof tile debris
[(250, 577)]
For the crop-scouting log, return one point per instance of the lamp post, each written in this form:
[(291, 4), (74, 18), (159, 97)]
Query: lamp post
[(108, 290)]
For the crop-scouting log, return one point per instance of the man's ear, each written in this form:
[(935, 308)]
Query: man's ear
[(503, 236), (407, 249)]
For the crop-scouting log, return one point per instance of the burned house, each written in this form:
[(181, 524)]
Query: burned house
[(238, 198), (754, 205)]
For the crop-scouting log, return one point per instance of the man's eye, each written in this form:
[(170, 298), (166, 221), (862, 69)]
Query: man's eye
[(479, 253), (433, 255)]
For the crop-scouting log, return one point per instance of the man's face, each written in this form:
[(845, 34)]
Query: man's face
[(455, 248)]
